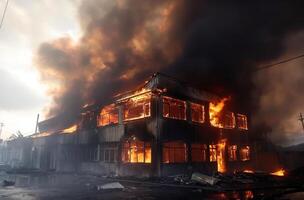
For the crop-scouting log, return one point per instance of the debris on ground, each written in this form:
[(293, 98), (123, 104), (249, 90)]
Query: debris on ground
[(181, 179), (204, 179), (6, 183), (107, 186)]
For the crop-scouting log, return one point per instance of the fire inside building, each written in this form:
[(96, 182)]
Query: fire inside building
[(164, 127)]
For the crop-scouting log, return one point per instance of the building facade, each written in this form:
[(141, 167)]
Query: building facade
[(163, 128)]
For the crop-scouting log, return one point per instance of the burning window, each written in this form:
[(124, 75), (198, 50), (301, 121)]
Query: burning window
[(197, 113), (229, 120), (232, 153), (212, 153), (215, 113), (245, 153), (199, 152), (174, 152), (108, 115), (242, 121), (138, 107), (174, 108), (136, 152)]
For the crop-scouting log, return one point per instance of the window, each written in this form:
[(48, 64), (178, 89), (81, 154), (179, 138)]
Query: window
[(87, 120), (197, 113), (137, 107), (199, 152), (136, 152), (174, 108), (242, 121), (86, 154), (229, 120), (108, 115), (232, 155), (95, 154), (212, 151), (245, 153), (108, 155), (174, 152)]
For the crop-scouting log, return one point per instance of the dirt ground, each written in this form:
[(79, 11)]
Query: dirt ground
[(85, 187)]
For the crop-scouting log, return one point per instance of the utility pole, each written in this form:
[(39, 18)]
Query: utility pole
[(1, 126), (37, 121), (301, 119)]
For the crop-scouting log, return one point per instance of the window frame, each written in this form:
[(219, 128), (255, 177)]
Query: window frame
[(141, 97), (106, 152), (112, 110), (246, 150), (167, 98), (228, 115), (169, 149), (235, 154), (126, 150), (244, 119), (202, 114), (203, 148), (212, 148)]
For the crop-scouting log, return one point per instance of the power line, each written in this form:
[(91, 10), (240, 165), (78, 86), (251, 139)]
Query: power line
[(5, 8), (278, 63)]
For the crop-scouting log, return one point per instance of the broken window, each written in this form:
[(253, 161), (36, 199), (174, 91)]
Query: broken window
[(174, 152), (174, 108), (229, 120), (242, 121), (232, 153), (245, 153), (137, 107), (108, 115), (199, 152), (212, 153), (136, 152), (197, 113)]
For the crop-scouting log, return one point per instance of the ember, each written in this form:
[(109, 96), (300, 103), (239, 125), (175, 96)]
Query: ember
[(248, 171)]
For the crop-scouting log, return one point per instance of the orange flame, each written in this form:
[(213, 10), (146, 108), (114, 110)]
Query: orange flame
[(215, 110), (221, 162), (71, 129), (280, 172)]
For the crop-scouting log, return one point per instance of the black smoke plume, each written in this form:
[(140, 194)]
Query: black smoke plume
[(214, 45)]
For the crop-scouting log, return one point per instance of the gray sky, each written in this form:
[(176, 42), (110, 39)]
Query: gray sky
[(27, 24)]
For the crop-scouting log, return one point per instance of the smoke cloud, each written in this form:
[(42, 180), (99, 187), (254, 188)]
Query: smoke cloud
[(214, 45), (281, 99)]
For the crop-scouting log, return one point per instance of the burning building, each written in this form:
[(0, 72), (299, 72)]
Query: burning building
[(164, 127)]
